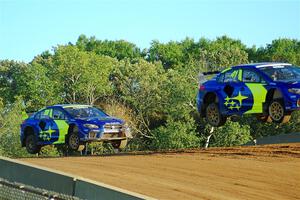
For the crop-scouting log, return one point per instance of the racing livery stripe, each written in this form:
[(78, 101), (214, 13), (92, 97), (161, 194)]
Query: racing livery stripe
[(63, 127), (225, 70), (259, 93), (240, 75)]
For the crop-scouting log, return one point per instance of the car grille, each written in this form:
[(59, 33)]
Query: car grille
[(110, 135), (112, 128)]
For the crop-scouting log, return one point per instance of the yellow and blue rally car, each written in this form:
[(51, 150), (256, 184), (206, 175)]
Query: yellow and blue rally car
[(72, 125), (269, 90)]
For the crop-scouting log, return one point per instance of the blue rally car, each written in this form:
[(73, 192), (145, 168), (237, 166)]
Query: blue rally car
[(72, 125), (269, 90)]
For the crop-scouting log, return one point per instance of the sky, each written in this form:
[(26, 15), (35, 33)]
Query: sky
[(29, 27)]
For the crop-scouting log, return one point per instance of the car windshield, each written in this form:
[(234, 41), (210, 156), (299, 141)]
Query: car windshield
[(283, 73), (85, 112)]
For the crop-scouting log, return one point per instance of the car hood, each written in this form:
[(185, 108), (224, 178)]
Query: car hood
[(100, 121)]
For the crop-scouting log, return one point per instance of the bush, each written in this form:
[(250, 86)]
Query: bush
[(231, 134), (175, 135), (10, 120)]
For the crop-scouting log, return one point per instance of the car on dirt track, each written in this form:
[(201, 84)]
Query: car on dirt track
[(271, 91), (72, 125)]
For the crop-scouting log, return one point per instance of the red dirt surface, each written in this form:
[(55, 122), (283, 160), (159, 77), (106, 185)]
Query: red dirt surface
[(261, 172)]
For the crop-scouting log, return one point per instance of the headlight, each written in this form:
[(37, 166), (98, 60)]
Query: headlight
[(90, 126), (294, 90), (125, 125), (127, 130)]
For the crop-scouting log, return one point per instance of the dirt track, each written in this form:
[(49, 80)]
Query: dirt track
[(263, 172)]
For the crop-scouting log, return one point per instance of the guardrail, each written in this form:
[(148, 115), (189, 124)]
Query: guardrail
[(62, 183), (277, 139)]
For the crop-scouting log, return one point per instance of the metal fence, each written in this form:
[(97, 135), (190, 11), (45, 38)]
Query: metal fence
[(18, 191), (21, 180)]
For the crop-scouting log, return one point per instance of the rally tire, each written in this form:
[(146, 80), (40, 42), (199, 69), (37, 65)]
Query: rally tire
[(214, 116), (31, 144), (73, 141), (277, 111), (119, 144)]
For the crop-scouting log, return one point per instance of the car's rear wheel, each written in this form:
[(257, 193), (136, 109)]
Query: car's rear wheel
[(277, 111), (214, 116), (31, 144)]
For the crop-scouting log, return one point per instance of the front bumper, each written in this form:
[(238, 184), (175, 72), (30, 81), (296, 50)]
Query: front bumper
[(107, 135), (293, 103)]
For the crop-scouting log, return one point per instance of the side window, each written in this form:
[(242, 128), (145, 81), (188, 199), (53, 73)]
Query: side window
[(250, 76), (46, 114), (37, 115), (220, 78), (58, 114), (231, 76)]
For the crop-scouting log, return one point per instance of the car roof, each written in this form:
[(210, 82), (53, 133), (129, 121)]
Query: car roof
[(69, 105), (263, 64)]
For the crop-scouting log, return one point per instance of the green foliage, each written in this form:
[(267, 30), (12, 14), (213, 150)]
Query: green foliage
[(153, 90), (10, 120), (119, 49), (49, 151), (280, 50), (224, 52), (175, 135), (10, 74), (231, 134), (81, 77), (139, 85)]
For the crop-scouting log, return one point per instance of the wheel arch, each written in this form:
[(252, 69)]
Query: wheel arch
[(71, 128), (273, 93), (28, 130), (208, 98)]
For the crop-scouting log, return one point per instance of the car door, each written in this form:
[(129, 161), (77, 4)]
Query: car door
[(60, 119), (234, 93), (48, 131), (255, 86)]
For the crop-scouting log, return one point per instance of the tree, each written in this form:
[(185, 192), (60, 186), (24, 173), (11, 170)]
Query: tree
[(280, 50), (138, 84), (224, 52), (119, 49), (10, 73), (36, 87), (170, 54), (82, 77), (10, 120)]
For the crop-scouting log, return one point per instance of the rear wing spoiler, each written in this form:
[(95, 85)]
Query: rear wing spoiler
[(210, 73), (202, 76)]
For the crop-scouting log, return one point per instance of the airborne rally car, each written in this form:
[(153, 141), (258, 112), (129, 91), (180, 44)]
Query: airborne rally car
[(72, 125), (269, 90)]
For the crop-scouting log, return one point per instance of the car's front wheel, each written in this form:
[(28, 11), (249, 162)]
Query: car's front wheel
[(119, 144), (31, 144), (214, 116), (277, 111), (73, 141)]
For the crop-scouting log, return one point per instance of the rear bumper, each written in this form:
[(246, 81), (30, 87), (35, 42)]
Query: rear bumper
[(199, 101)]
